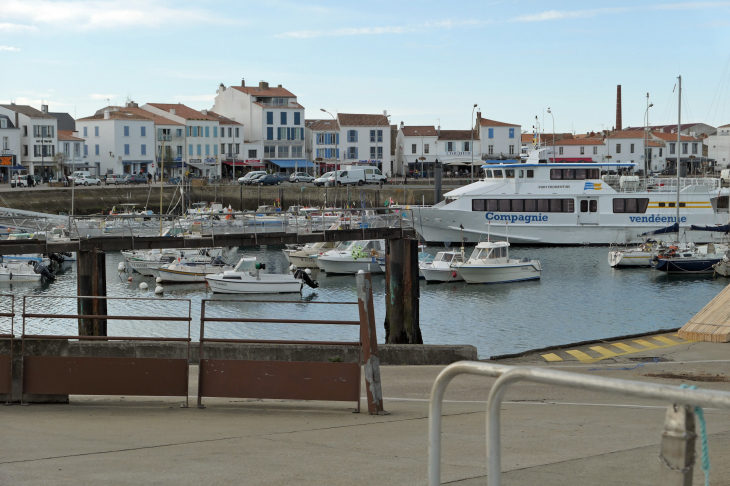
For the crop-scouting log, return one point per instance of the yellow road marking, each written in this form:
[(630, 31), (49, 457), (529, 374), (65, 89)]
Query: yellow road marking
[(581, 356), (625, 347), (645, 343), (605, 352), (552, 357), (665, 340)]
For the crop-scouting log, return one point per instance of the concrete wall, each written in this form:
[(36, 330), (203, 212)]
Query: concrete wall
[(94, 201)]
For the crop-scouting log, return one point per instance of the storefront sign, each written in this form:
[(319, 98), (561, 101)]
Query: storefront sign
[(458, 153), (253, 161), (210, 161), (194, 161)]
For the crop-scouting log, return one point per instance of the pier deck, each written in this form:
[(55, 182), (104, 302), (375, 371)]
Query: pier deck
[(551, 437)]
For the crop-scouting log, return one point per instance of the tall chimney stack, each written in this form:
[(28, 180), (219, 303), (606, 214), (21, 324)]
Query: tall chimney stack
[(618, 107)]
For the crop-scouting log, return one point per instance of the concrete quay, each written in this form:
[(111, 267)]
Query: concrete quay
[(550, 436)]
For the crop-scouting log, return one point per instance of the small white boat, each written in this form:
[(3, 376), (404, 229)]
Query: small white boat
[(147, 262), (19, 272), (353, 256), (246, 278), (189, 272), (723, 266), (490, 263), (443, 268), (638, 256), (306, 256)]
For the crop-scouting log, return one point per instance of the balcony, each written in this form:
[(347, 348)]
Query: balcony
[(165, 138)]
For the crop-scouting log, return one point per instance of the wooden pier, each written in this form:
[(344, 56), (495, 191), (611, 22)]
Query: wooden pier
[(712, 323)]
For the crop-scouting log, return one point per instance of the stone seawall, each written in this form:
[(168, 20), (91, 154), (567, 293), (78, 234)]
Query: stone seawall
[(89, 201)]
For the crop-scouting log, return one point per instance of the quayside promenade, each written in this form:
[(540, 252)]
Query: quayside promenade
[(550, 435)]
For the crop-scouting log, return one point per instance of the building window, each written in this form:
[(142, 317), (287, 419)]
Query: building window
[(252, 154), (207, 132), (179, 132), (238, 149), (179, 150), (96, 149), (86, 150), (618, 148), (372, 135), (77, 149), (352, 135), (230, 149), (380, 135), (3, 123), (237, 132), (143, 131), (43, 131), (200, 150), (230, 132), (296, 151), (449, 146), (269, 151), (283, 151), (372, 153), (672, 149), (560, 150), (466, 147), (511, 133), (660, 152), (223, 149), (512, 149), (352, 152), (631, 149), (143, 149), (126, 131), (491, 133), (66, 147), (297, 119), (684, 148), (380, 153), (215, 150), (413, 148), (694, 148), (126, 149), (25, 131), (96, 131), (425, 148), (491, 150), (269, 133), (86, 131), (282, 133)]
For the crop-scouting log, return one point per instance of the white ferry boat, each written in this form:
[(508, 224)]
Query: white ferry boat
[(540, 203)]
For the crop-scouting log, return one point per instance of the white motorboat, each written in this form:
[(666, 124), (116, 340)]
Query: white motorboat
[(443, 268), (306, 256), (490, 263), (147, 262), (246, 278), (19, 272), (25, 257), (723, 267), (189, 272), (355, 256)]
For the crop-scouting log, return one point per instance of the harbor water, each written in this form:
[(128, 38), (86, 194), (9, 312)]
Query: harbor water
[(578, 298)]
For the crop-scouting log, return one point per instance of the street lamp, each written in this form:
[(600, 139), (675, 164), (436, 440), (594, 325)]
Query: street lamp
[(376, 134), (555, 157), (336, 139), (471, 147), (646, 135)]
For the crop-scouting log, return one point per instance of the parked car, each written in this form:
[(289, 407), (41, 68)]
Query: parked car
[(250, 175), (321, 181), (254, 179), (724, 177), (268, 180), (281, 176), (301, 177), (19, 181), (115, 179), (87, 181), (135, 179)]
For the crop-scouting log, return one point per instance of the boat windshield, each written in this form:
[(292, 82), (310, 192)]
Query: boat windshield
[(425, 257), (444, 257), (246, 263)]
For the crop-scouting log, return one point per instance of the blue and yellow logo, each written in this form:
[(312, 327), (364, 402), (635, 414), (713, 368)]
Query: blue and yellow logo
[(593, 186)]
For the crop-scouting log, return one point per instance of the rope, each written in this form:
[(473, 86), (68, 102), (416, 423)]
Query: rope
[(703, 436)]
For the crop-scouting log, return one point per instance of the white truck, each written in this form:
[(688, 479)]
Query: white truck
[(358, 175)]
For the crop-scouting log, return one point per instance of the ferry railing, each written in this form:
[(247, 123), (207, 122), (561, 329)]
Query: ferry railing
[(295, 380), (102, 375), (677, 449)]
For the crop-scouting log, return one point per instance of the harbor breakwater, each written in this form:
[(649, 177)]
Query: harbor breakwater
[(88, 201)]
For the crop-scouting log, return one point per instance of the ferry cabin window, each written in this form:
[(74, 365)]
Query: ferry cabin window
[(530, 173), (591, 205), (489, 174), (630, 205), (556, 174), (498, 173), (530, 205), (477, 204), (573, 174), (594, 205), (524, 205), (504, 205), (510, 173)]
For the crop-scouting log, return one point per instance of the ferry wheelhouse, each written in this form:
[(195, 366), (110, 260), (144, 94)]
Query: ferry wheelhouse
[(540, 203)]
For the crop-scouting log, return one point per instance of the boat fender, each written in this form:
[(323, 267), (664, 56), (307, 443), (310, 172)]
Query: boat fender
[(453, 274)]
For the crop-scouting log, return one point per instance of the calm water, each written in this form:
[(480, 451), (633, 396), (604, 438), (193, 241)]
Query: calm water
[(579, 298)]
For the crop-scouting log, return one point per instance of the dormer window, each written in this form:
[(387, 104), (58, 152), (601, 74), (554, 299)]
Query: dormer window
[(278, 101)]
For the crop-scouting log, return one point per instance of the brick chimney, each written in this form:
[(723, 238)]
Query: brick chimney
[(618, 107)]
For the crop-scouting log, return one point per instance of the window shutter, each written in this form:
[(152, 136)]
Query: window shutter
[(288, 133), (356, 156), (356, 132), (491, 133)]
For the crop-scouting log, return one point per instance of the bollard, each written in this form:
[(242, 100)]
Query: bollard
[(677, 451), (369, 339)]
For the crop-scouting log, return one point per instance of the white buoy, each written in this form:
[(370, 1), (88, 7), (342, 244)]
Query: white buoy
[(159, 289), (143, 286), (158, 280), (293, 267), (308, 271), (361, 271), (121, 267)]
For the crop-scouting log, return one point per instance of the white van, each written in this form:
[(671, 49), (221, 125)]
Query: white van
[(374, 176), (80, 174), (724, 177), (349, 176)]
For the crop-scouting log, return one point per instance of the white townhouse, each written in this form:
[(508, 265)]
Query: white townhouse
[(690, 151), (718, 147), (627, 146), (72, 147), (455, 151), (9, 148), (271, 117), (415, 147), (578, 150), (364, 138), (201, 136), (322, 143), (235, 157), (118, 141), (38, 137), (499, 140)]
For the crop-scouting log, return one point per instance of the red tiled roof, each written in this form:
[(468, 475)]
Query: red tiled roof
[(527, 137), (360, 120), (654, 143), (664, 128), (326, 125), (68, 136), (458, 135), (289, 106), (579, 141), (423, 131), (116, 114), (159, 120), (626, 134), (182, 111), (222, 119), (273, 92), (485, 122), (672, 137)]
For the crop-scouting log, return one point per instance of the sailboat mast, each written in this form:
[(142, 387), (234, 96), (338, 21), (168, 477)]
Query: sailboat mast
[(679, 144)]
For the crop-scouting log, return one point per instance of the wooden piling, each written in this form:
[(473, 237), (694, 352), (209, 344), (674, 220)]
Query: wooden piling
[(369, 340), (402, 292), (91, 267)]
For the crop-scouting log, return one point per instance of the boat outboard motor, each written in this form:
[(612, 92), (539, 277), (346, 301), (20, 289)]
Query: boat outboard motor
[(43, 270), (301, 274), (56, 257), (67, 254)]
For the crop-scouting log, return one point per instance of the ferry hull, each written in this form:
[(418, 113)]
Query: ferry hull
[(499, 274)]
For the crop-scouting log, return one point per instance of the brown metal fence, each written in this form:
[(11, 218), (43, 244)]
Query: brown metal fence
[(95, 375), (6, 360)]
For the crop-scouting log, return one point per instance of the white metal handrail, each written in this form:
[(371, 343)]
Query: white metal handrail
[(507, 375)]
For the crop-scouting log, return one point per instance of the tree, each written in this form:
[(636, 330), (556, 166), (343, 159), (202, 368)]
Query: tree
[(59, 159)]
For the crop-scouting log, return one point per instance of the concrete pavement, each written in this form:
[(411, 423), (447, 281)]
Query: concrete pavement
[(551, 436)]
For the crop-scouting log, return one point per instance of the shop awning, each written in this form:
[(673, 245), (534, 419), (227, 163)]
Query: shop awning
[(201, 165), (137, 161), (77, 164), (17, 167), (239, 163), (292, 163)]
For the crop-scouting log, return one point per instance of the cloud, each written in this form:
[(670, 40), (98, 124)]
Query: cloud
[(102, 96), (98, 14), (8, 28), (350, 31), (578, 14), (8, 48)]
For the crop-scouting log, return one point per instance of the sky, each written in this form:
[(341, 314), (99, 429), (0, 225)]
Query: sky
[(425, 62)]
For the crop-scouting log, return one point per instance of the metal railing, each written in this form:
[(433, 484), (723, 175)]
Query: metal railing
[(508, 375)]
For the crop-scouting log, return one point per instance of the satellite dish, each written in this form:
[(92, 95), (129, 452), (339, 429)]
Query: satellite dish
[(447, 242)]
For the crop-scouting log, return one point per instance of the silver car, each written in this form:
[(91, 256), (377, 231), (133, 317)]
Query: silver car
[(301, 177)]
